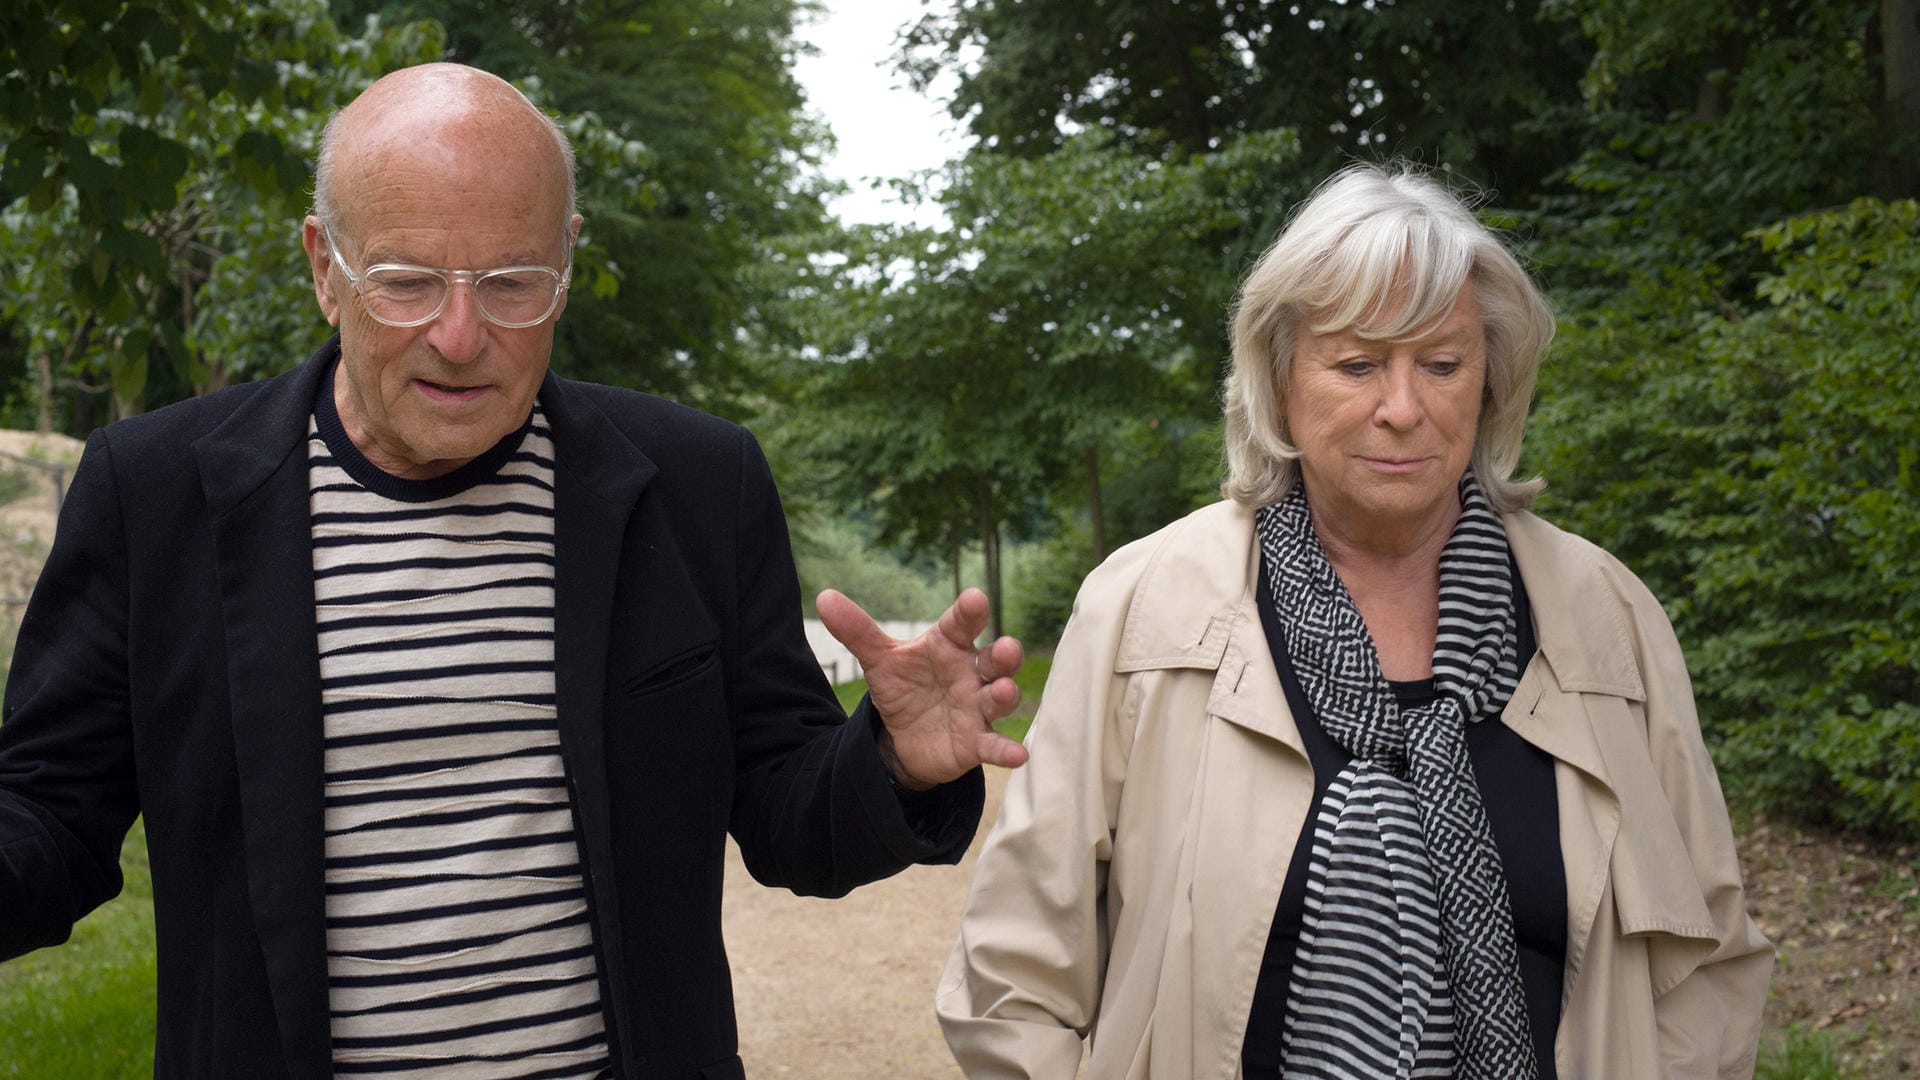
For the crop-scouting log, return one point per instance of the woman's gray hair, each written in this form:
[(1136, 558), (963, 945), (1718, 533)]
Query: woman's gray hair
[(1383, 252)]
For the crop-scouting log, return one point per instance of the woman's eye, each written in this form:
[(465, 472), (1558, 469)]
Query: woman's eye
[(1356, 367)]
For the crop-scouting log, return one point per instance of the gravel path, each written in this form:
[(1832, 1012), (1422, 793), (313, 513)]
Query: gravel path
[(843, 989)]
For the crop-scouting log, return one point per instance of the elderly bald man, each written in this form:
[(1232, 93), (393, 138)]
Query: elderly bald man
[(440, 680)]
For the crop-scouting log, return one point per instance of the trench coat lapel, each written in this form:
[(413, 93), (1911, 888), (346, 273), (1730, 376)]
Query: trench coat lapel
[(253, 472), (598, 478)]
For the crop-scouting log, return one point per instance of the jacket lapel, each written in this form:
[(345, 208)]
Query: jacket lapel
[(598, 477), (253, 471)]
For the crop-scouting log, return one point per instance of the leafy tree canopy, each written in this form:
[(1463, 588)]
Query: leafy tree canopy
[(153, 152), (1476, 86)]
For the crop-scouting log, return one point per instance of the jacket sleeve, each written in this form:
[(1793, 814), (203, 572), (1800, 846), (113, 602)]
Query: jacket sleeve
[(1022, 987), (1709, 1021), (67, 794), (814, 807)]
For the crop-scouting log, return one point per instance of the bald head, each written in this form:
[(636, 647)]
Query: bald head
[(458, 124)]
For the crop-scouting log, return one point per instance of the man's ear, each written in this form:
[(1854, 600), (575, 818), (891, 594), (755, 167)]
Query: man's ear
[(314, 239), (573, 241)]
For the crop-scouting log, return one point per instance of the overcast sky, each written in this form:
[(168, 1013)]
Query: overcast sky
[(884, 128)]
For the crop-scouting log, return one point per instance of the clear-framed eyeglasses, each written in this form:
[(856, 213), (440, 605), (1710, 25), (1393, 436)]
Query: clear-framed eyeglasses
[(402, 295)]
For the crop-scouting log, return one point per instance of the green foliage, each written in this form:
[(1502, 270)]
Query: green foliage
[(1480, 87), (850, 693), (86, 1008), (1072, 308), (1695, 137), (156, 167), (692, 232), (1731, 410), (1761, 477), (1032, 679), (834, 553), (1045, 577), (1153, 477)]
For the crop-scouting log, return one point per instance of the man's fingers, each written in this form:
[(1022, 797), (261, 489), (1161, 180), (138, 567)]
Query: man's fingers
[(999, 659), (1003, 696), (996, 749), (965, 618), (1005, 655), (850, 625)]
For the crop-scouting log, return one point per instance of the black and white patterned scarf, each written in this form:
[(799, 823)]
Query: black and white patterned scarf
[(1406, 965)]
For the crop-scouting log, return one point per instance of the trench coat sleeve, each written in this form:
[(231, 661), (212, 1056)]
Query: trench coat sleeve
[(67, 793), (1022, 987), (1709, 1020)]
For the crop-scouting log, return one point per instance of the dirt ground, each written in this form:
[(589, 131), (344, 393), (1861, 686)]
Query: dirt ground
[(1845, 916), (29, 507), (843, 989)]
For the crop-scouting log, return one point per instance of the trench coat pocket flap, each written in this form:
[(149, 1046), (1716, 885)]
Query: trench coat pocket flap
[(1657, 893), (1656, 886)]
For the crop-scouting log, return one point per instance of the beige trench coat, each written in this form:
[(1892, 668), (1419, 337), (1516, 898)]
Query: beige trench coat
[(1125, 894)]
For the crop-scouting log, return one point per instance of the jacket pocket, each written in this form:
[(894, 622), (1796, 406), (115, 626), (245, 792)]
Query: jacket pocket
[(730, 1069), (674, 670)]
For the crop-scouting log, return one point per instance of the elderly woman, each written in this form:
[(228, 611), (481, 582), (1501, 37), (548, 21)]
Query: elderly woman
[(1365, 772)]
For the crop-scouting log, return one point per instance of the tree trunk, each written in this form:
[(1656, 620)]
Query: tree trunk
[(126, 407), (74, 345), (953, 544), (990, 548), (1094, 510), (1712, 94), (1900, 51), (43, 376)]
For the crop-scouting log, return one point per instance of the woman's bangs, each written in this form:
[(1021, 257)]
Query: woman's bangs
[(1388, 278)]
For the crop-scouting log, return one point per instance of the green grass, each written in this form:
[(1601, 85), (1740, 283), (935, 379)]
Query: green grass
[(1799, 1054), (85, 1009)]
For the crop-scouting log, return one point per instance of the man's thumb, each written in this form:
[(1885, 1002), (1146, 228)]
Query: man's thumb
[(850, 625)]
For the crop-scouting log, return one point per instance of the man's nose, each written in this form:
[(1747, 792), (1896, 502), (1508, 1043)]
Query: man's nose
[(459, 331)]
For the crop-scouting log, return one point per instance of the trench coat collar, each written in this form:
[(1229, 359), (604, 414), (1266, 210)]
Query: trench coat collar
[(1194, 607), (1579, 619), (253, 473), (1585, 645)]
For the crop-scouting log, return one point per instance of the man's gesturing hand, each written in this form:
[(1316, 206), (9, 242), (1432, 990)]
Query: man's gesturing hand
[(937, 695)]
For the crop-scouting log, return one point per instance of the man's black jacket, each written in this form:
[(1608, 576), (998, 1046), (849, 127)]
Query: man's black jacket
[(167, 666)]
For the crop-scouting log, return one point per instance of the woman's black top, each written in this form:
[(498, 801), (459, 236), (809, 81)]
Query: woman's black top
[(1516, 784)]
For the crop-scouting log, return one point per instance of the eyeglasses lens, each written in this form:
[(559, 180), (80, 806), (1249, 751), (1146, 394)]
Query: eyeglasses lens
[(510, 297)]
